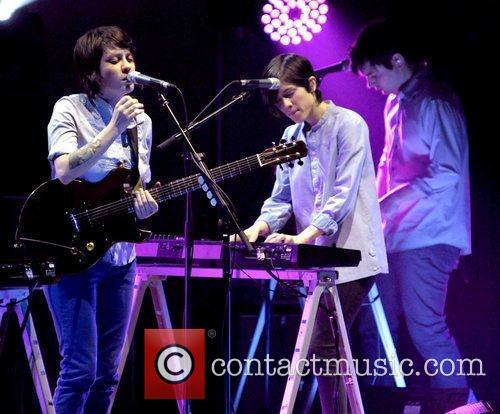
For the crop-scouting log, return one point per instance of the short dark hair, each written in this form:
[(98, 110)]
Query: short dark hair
[(289, 68), (88, 53), (379, 41)]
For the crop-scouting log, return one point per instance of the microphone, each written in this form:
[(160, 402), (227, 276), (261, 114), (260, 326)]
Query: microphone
[(139, 79), (336, 67), (269, 83)]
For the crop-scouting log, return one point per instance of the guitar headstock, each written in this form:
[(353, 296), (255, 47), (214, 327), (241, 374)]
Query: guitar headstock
[(283, 152)]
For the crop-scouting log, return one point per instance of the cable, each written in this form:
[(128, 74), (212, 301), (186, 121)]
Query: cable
[(12, 302), (211, 102), (183, 105), (205, 172), (28, 308)]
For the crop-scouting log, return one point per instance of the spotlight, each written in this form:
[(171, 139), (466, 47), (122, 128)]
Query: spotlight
[(8, 7), (280, 16)]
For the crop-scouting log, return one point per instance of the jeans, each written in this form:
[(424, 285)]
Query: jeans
[(323, 344), (90, 311), (415, 291)]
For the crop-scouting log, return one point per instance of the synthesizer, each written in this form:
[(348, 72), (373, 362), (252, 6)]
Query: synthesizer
[(17, 274), (206, 253)]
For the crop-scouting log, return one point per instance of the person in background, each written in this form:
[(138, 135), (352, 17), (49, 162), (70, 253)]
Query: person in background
[(423, 188)]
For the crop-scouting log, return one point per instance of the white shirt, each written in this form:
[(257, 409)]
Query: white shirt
[(74, 123), (334, 190)]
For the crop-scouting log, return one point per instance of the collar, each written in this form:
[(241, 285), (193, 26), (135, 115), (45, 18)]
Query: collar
[(329, 109), (409, 89)]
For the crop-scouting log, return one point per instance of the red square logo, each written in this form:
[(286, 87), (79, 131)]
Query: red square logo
[(174, 364)]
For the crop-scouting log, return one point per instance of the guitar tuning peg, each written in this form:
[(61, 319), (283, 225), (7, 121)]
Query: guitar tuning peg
[(282, 141), (290, 164), (281, 167), (293, 139), (300, 162)]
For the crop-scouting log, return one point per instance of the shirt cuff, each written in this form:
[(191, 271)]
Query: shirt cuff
[(324, 222), (59, 149), (56, 154), (271, 223)]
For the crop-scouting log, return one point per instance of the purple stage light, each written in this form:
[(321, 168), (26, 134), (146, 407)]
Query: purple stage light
[(292, 21)]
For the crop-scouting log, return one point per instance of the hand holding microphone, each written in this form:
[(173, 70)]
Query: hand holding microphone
[(126, 109)]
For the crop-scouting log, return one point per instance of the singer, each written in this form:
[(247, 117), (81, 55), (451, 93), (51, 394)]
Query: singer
[(332, 196), (90, 134)]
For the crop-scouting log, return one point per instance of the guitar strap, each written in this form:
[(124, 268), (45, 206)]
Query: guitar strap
[(132, 138), (134, 150)]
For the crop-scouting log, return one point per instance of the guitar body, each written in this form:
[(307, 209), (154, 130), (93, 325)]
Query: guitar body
[(67, 221)]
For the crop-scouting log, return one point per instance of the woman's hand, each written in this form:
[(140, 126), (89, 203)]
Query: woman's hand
[(126, 109), (259, 228), (144, 204)]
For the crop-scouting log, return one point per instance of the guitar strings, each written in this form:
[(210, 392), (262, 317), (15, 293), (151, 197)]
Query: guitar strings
[(182, 185), (187, 182), (172, 189)]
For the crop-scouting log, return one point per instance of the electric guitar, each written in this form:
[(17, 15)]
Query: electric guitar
[(77, 223)]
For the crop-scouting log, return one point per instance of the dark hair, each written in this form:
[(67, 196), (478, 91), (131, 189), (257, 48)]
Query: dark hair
[(88, 53), (289, 68), (378, 43)]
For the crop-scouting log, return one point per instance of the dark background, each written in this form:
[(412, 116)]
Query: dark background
[(200, 46)]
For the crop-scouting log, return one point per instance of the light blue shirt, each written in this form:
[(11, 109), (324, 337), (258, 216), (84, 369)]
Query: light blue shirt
[(423, 174), (74, 123), (334, 190)]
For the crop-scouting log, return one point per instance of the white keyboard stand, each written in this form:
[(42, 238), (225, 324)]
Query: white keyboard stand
[(8, 298), (385, 334), (325, 282), (142, 283), (317, 282)]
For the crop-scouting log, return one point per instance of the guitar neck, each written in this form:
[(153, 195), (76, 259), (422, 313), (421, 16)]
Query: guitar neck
[(185, 185), (285, 152)]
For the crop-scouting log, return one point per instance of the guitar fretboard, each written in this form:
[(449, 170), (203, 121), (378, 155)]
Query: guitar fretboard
[(277, 154), (185, 185)]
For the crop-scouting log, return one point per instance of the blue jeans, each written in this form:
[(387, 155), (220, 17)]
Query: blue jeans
[(415, 291), (91, 312)]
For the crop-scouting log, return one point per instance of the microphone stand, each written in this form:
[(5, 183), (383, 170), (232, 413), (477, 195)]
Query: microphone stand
[(178, 136), (215, 196)]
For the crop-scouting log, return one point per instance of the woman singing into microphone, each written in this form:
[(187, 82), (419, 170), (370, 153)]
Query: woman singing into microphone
[(87, 138)]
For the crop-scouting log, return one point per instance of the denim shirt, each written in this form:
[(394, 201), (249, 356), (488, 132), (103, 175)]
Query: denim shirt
[(75, 122), (334, 190), (423, 174)]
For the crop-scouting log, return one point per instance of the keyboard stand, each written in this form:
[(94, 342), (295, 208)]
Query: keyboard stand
[(385, 334), (325, 282), (30, 342), (142, 283), (317, 282)]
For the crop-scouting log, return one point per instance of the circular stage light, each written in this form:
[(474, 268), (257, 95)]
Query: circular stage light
[(280, 16)]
